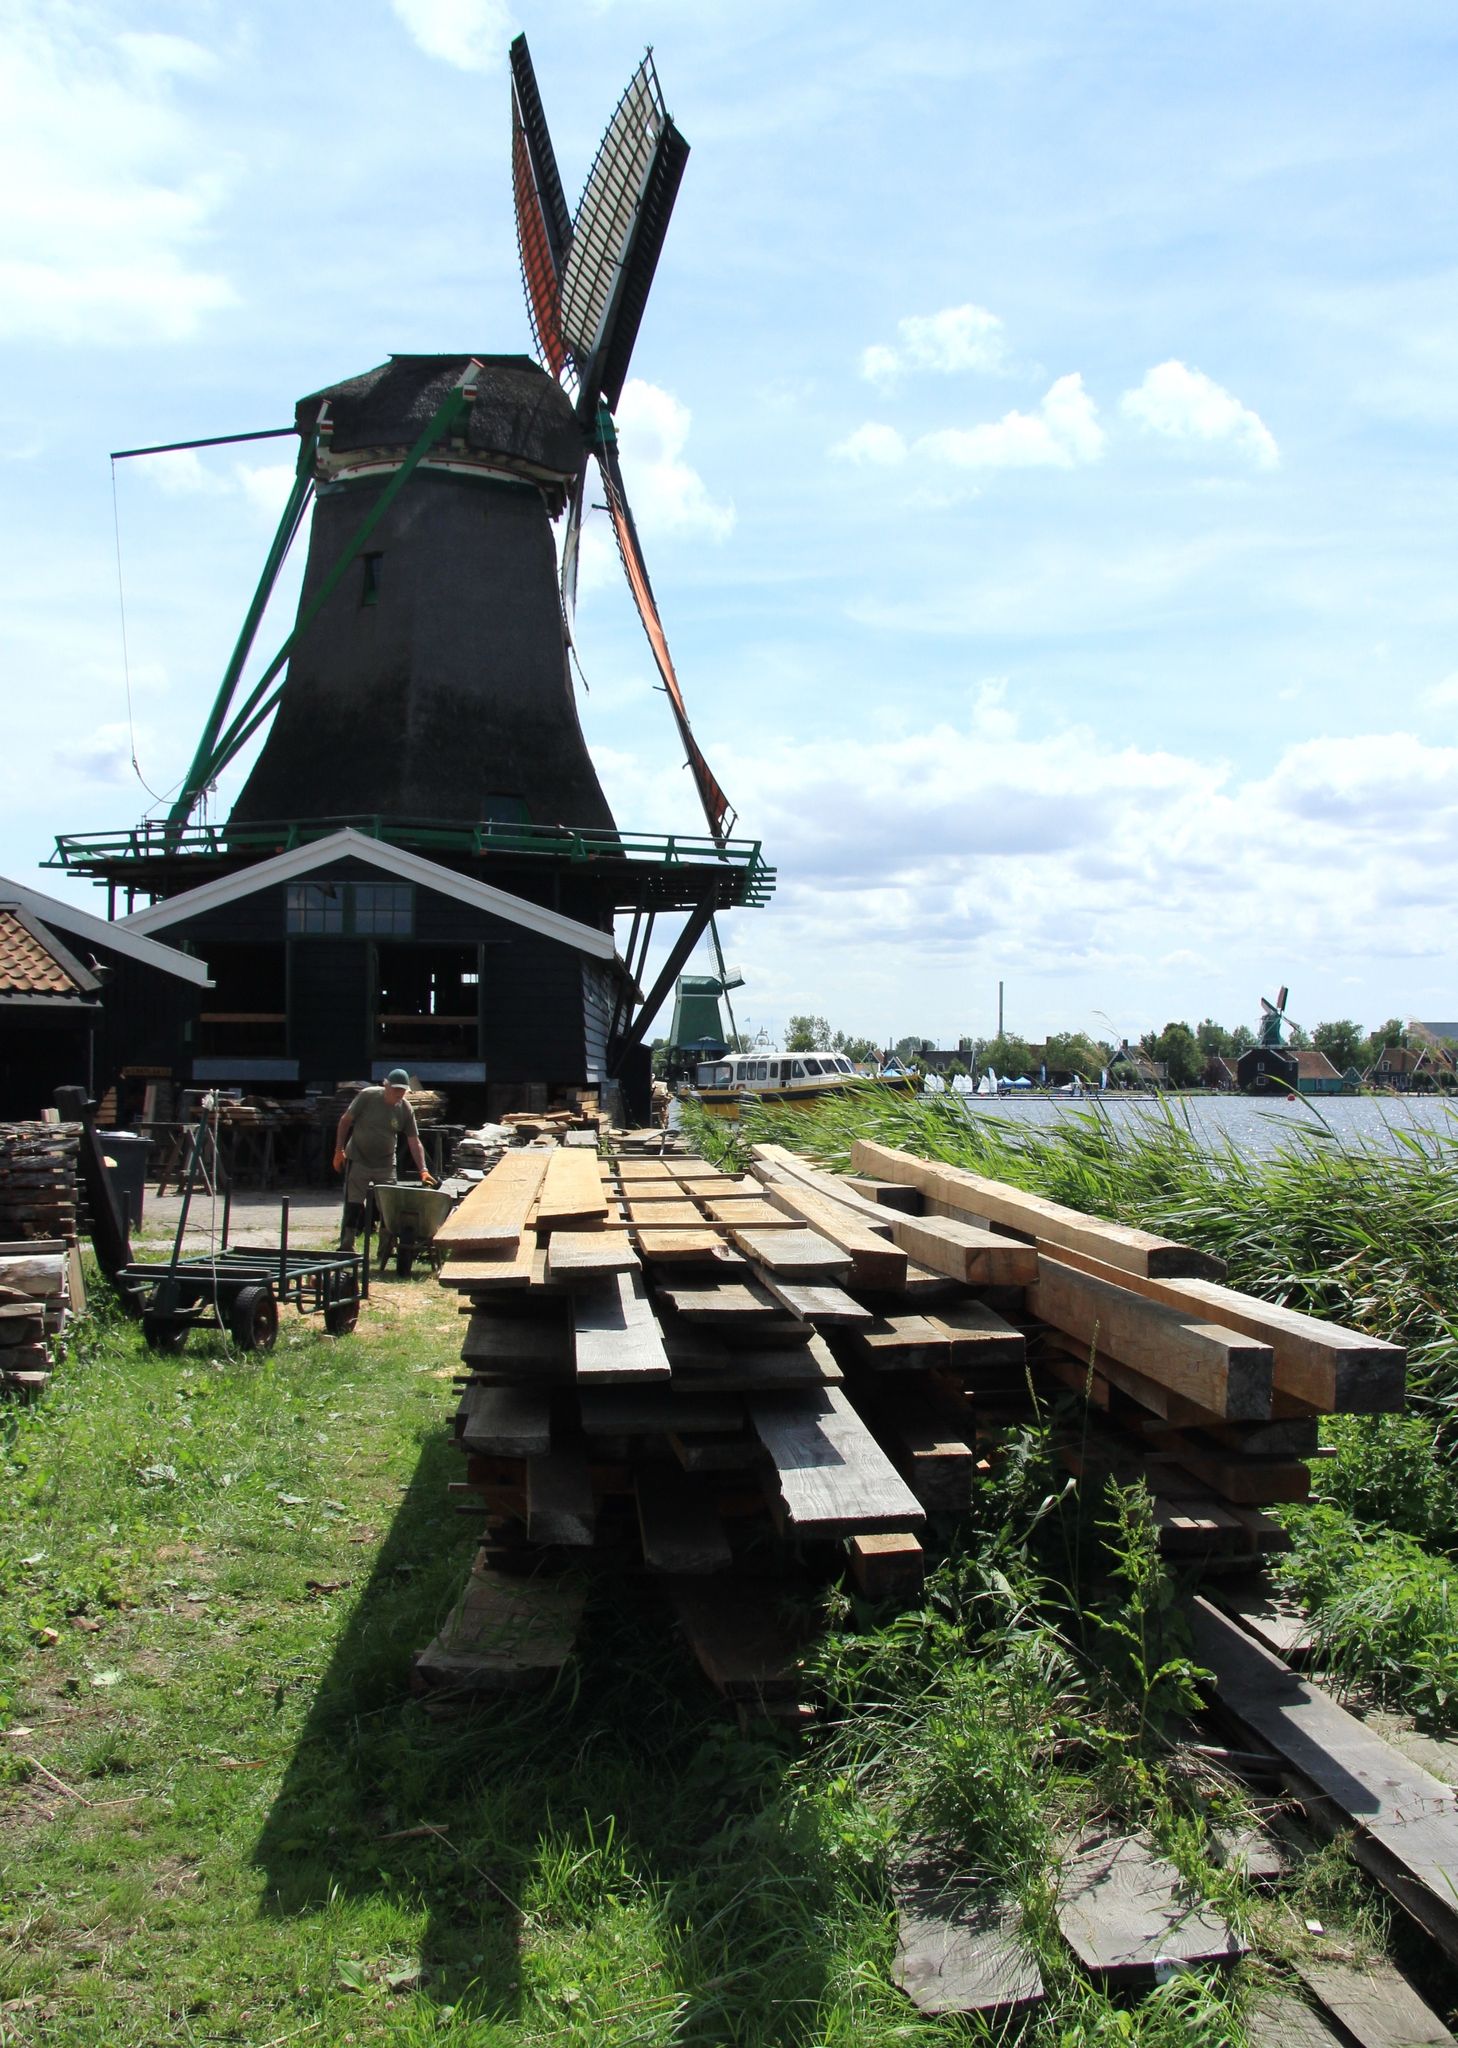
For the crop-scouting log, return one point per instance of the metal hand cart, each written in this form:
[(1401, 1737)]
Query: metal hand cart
[(239, 1288)]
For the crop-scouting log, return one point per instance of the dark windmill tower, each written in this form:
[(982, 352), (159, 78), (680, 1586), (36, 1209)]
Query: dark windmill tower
[(421, 866)]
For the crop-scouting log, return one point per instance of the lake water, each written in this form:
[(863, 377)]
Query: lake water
[(1250, 1123)]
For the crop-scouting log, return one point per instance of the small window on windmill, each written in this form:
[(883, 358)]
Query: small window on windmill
[(370, 588)]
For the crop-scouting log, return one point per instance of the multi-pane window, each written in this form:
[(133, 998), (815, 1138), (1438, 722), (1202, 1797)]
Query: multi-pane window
[(364, 909), (384, 908)]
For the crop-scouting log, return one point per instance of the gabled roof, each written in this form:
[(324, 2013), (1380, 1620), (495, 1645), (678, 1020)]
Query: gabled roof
[(1313, 1065), (36, 971), (396, 861), (117, 936)]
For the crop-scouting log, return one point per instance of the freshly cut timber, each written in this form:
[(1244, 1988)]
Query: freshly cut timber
[(574, 1255), (572, 1196), (1226, 1373), (874, 1261), (1330, 1368), (1042, 1222), (965, 1252), (494, 1214)]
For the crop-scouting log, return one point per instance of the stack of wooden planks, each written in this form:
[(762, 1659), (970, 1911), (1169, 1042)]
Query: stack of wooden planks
[(1213, 1395), (35, 1299), (38, 1180), (681, 1369)]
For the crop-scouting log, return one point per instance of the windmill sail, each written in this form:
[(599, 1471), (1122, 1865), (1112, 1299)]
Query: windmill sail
[(713, 799), (538, 266), (608, 214)]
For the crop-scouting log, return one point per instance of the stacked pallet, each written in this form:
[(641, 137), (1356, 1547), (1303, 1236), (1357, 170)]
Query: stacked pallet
[(34, 1303), (680, 1369), (38, 1180)]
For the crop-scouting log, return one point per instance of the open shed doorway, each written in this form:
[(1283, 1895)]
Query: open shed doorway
[(427, 1003)]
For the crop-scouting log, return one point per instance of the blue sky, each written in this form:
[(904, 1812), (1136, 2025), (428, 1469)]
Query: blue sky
[(1042, 432)]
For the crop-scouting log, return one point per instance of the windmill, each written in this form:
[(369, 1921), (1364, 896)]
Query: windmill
[(1273, 1017), (424, 695)]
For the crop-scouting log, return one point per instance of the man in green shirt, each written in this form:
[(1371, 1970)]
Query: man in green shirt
[(365, 1145)]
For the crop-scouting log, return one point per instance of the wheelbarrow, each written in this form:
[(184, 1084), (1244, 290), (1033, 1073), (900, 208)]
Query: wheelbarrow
[(409, 1215)]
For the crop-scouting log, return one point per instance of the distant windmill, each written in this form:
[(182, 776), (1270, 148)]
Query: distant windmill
[(1273, 1017)]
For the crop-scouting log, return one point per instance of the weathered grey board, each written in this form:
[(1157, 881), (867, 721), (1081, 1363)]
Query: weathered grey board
[(721, 1302), (979, 1335), (574, 1255), (1376, 2006), (523, 1342), (615, 1333), (825, 1306), (1405, 1820), (679, 1529), (959, 1948), (714, 1451), (1259, 1857), (793, 1254), (560, 1506), (745, 1638), (641, 1411), (752, 1369), (504, 1632), (1276, 1622), (1279, 2019), (901, 1343), (506, 1422), (1124, 1910), (834, 1479)]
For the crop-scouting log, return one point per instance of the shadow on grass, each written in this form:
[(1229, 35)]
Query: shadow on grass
[(612, 1851)]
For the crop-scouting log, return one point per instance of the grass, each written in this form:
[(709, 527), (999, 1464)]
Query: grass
[(224, 1819)]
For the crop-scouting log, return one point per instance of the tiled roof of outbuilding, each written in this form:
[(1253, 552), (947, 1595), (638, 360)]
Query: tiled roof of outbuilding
[(30, 967)]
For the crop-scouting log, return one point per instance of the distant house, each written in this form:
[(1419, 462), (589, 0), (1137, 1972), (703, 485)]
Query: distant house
[(936, 1059), (1132, 1067), (1315, 1074), (1409, 1067), (1220, 1073)]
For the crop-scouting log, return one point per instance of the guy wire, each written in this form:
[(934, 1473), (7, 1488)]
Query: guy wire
[(121, 598)]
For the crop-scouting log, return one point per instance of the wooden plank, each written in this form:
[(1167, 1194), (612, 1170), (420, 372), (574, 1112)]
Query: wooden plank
[(963, 1252), (752, 1369), (1277, 1623), (886, 1194), (494, 1214), (959, 1947), (505, 1422), (656, 1409), (1248, 1481), (1227, 1373), (615, 1333), (833, 1477), (720, 1302), (572, 1196), (680, 1247), (643, 1171), (526, 1344), (829, 1307), (776, 1165), (1405, 1820), (1278, 2019), (1044, 1222), (887, 1564), (1375, 2005), (560, 1505), (906, 1343), (744, 1633), (486, 1275), (679, 1529), (1126, 1912), (574, 1255), (745, 1212), (1324, 1365), (875, 1261), (680, 1215), (978, 1335), (504, 1632), (714, 1452), (721, 1187), (793, 1254)]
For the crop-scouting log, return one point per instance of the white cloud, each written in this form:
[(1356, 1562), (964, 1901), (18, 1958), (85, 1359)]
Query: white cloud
[(1062, 432), (110, 192), (872, 443), (667, 493), (266, 485), (1181, 404), (956, 339), (104, 755), (471, 34), (1441, 696), (182, 473)]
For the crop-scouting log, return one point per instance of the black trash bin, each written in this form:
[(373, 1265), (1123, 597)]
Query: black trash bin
[(126, 1153)]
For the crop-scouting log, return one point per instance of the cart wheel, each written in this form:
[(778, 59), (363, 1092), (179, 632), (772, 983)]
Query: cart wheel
[(159, 1334), (253, 1319), (341, 1316)]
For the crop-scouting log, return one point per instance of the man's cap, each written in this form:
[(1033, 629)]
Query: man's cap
[(397, 1078)]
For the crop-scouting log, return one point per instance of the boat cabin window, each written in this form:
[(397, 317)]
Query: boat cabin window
[(798, 1071), (844, 1064), (713, 1076), (759, 1070), (814, 1066)]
